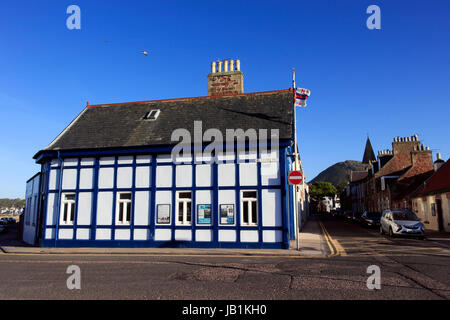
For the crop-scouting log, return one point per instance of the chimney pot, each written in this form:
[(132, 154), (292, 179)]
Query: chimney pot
[(219, 66), (213, 67), (225, 66), (238, 65), (231, 65), (438, 156)]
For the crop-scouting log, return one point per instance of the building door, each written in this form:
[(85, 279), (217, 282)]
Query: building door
[(439, 214)]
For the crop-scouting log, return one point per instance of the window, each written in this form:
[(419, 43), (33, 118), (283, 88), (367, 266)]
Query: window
[(184, 207), (152, 115), (68, 206), (249, 208), (124, 208)]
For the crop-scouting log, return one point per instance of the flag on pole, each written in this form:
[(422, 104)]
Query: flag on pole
[(301, 95)]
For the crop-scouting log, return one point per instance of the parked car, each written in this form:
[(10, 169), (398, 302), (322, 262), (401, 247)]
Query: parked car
[(3, 221), (351, 216), (11, 220), (2, 229), (370, 219), (401, 222)]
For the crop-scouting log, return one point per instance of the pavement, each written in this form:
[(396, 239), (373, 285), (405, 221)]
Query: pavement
[(333, 263), (312, 244)]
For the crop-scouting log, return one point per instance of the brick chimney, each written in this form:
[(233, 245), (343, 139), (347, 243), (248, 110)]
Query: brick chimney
[(225, 78)]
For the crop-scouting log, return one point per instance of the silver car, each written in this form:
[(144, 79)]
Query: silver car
[(401, 222)]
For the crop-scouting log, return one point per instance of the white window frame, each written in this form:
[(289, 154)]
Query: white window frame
[(247, 201), (186, 202), (124, 221), (67, 220)]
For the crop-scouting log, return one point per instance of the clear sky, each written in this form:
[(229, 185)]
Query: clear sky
[(385, 83)]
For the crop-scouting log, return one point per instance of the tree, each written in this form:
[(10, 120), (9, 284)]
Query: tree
[(321, 189)]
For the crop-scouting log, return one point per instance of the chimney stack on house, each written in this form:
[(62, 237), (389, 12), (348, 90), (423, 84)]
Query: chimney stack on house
[(439, 162), (226, 80)]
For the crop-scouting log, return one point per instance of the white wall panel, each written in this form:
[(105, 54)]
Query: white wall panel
[(83, 234), (270, 173), (104, 208), (164, 176), (163, 235), (49, 233), (106, 161), (226, 174), (70, 162), (124, 177), (122, 234), (140, 234), (87, 161), (53, 183), (141, 215), (183, 175), (183, 235), (203, 175), (249, 236), (272, 236), (51, 215), (84, 208), (65, 234), (106, 178), (164, 158), (248, 174), (203, 235), (103, 234), (271, 207), (142, 177), (69, 179), (227, 235), (143, 159), (125, 160), (86, 178), (227, 197)]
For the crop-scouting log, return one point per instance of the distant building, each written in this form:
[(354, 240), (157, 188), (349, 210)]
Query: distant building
[(431, 201)]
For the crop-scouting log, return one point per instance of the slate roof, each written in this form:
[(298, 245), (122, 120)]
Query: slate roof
[(122, 125)]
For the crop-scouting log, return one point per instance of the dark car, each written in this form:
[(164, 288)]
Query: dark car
[(3, 221), (2, 228), (11, 220), (370, 219)]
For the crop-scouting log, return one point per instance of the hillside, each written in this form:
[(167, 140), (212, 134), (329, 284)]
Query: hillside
[(7, 203), (339, 172)]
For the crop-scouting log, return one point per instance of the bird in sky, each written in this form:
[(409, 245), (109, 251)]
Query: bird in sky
[(145, 53)]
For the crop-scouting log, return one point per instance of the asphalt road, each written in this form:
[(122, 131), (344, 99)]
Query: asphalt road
[(410, 269)]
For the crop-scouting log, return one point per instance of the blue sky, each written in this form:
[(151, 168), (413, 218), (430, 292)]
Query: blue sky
[(385, 83)]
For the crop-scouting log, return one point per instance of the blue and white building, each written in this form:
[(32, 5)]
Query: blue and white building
[(110, 178)]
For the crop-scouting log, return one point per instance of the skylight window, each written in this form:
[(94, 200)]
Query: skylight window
[(152, 115)]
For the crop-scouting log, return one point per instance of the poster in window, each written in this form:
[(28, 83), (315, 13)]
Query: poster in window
[(227, 214), (433, 209), (163, 213), (204, 213)]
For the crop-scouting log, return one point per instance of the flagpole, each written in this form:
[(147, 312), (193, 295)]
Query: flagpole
[(296, 167)]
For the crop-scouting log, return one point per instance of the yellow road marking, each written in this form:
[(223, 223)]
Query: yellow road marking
[(339, 249)]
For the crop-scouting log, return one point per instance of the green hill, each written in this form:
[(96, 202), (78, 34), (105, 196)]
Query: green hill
[(340, 172), (8, 203)]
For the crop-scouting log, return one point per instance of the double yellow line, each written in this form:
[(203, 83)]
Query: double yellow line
[(335, 247)]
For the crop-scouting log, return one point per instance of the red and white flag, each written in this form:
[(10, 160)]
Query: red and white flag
[(301, 95)]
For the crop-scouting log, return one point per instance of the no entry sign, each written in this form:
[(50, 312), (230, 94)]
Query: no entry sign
[(295, 177)]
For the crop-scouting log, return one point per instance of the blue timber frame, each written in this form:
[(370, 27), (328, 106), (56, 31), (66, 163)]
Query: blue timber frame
[(284, 187)]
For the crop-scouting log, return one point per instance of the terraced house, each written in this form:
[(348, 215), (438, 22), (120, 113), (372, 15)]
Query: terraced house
[(111, 179)]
